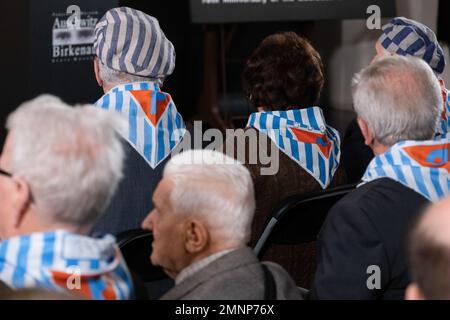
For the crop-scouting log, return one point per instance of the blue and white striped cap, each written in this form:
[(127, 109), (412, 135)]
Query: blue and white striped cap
[(131, 41), (410, 38)]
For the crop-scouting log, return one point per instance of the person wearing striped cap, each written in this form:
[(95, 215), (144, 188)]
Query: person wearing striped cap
[(409, 38), (134, 57)]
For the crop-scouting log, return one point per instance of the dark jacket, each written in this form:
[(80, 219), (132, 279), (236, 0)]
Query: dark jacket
[(132, 201), (367, 228), (238, 275), (356, 156), (291, 179)]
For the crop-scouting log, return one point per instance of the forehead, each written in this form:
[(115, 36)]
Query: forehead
[(380, 48), (162, 192)]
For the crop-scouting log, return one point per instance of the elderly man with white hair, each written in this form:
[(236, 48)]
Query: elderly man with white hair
[(134, 58), (362, 244), (204, 207), (58, 170)]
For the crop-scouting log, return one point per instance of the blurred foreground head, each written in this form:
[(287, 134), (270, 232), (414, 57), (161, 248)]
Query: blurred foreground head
[(60, 165), (429, 254)]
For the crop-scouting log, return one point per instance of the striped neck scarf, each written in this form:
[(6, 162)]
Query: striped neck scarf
[(444, 124), (423, 166), (303, 136), (60, 260), (154, 126)]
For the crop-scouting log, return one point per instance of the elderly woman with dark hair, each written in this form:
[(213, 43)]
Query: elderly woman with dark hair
[(283, 79)]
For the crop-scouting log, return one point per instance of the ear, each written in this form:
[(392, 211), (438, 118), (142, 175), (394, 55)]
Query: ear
[(97, 72), (196, 236), (22, 201), (413, 293), (366, 132)]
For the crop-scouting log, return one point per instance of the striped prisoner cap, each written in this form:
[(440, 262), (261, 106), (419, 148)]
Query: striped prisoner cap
[(410, 38), (131, 41)]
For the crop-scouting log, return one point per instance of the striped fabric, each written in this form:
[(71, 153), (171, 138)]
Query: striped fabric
[(154, 126), (444, 124), (423, 166), (131, 41), (411, 38), (58, 261), (303, 135)]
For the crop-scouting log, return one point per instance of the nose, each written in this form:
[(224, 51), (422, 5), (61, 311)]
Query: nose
[(147, 224)]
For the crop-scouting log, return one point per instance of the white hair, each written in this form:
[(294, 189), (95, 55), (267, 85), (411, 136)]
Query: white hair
[(399, 98), (215, 187), (72, 158), (113, 77)]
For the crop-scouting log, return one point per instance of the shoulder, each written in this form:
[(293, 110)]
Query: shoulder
[(379, 193), (380, 202), (285, 285)]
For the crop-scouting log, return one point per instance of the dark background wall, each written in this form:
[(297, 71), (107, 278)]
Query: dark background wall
[(29, 71), (25, 30)]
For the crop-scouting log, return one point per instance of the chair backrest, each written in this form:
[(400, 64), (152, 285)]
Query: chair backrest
[(136, 248), (298, 219)]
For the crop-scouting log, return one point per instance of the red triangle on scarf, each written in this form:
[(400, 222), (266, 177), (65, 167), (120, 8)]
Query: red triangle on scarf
[(319, 139), (144, 99), (431, 156)]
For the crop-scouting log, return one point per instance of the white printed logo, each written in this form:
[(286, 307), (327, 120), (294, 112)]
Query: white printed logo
[(74, 280), (374, 281), (73, 22), (374, 21)]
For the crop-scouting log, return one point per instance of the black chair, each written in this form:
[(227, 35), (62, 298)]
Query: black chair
[(299, 219), (136, 248)]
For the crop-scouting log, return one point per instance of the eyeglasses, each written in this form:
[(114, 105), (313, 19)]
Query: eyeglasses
[(5, 173)]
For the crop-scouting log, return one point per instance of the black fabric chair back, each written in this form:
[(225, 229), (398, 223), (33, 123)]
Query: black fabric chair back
[(298, 219), (136, 248)]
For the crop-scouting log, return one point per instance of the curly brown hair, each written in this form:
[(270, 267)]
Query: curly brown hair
[(284, 72)]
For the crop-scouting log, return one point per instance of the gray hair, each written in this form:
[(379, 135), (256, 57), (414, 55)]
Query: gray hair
[(399, 98), (72, 158), (215, 187), (114, 78)]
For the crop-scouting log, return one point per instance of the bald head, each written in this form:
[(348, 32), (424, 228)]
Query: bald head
[(435, 223), (429, 252)]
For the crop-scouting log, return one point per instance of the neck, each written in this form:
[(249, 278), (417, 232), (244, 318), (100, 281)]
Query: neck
[(35, 223), (107, 87), (379, 148), (202, 255)]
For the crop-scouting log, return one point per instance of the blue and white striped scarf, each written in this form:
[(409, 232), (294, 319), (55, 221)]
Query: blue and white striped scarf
[(154, 126), (60, 260), (444, 124), (303, 135), (423, 166)]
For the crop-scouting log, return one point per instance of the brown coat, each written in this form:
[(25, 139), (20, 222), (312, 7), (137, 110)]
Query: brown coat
[(291, 179)]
